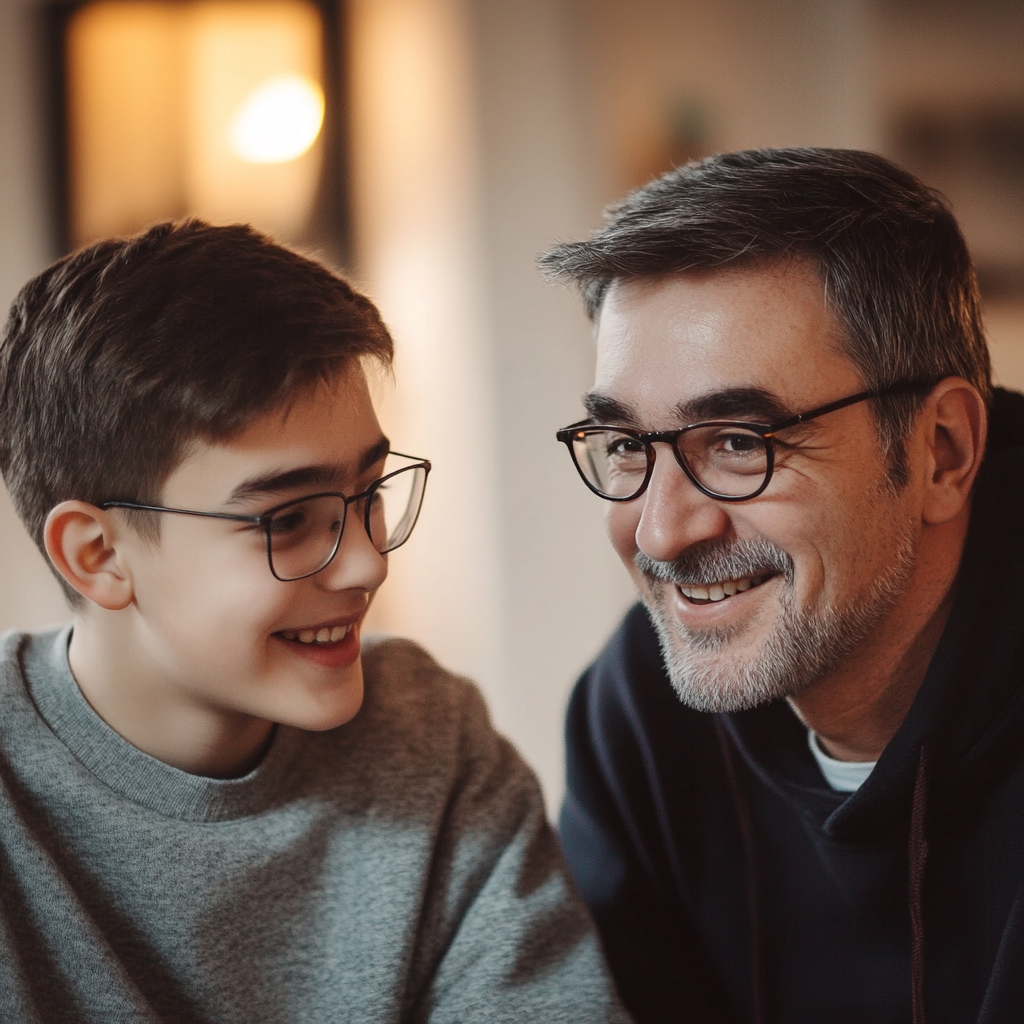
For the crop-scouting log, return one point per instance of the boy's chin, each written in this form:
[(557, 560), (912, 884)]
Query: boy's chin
[(320, 712)]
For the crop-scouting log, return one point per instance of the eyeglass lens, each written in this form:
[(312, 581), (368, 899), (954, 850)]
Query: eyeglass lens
[(725, 458), (304, 535)]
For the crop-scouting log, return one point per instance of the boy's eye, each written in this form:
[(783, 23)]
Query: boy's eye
[(290, 521)]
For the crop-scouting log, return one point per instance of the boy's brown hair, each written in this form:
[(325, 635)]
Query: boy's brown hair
[(118, 356)]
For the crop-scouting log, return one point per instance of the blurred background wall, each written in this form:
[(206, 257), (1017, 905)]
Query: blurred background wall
[(470, 135)]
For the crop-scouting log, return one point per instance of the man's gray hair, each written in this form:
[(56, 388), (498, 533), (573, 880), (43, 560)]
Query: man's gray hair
[(892, 260)]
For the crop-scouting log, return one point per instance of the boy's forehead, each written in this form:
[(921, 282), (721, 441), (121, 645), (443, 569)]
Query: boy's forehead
[(325, 437)]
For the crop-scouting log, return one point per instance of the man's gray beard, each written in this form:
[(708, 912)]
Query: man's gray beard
[(801, 649)]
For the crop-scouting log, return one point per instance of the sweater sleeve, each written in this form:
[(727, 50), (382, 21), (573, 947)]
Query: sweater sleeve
[(504, 935)]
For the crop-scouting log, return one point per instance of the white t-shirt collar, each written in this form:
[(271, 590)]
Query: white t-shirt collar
[(843, 776)]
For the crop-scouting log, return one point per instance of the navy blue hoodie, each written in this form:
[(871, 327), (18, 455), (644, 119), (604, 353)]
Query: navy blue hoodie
[(732, 884)]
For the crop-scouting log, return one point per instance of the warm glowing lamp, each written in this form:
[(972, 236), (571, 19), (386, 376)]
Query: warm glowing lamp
[(213, 108), (278, 121)]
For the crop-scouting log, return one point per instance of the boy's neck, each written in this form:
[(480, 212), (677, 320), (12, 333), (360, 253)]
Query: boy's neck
[(157, 715)]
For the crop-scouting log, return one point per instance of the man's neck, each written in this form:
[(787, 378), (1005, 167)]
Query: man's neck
[(858, 707)]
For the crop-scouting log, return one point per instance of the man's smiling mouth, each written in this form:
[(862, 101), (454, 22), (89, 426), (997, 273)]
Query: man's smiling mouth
[(720, 591)]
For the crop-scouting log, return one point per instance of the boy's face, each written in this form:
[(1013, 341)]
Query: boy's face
[(213, 627)]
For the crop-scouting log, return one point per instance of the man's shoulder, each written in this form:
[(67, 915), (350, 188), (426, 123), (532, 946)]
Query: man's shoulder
[(628, 678), (625, 722)]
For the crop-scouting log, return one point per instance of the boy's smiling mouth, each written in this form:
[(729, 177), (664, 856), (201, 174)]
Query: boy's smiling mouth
[(323, 635), (332, 645)]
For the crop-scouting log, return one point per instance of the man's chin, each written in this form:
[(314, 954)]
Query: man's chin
[(720, 680), (732, 670), (722, 662), (717, 668)]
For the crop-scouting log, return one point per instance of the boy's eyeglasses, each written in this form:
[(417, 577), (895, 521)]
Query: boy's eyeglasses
[(303, 535), (729, 460)]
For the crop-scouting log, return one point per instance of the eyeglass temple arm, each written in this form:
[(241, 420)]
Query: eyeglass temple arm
[(181, 511), (925, 384), (821, 411)]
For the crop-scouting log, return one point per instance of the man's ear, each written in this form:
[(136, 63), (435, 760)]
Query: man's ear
[(955, 423), (81, 541)]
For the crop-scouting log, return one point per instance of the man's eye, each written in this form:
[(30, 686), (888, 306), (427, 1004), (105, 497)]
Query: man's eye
[(624, 447), (742, 443)]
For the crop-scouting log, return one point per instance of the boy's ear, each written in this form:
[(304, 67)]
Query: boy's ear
[(81, 542)]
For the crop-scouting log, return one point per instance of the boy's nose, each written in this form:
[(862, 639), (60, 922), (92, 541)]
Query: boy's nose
[(357, 564), (675, 513)]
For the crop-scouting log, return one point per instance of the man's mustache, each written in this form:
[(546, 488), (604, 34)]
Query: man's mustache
[(709, 562)]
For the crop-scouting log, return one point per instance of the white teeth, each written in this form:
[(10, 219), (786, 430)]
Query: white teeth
[(720, 591), (324, 635)]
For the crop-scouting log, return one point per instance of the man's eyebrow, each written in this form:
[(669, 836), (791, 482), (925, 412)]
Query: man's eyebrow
[(603, 409), (758, 405), (324, 475)]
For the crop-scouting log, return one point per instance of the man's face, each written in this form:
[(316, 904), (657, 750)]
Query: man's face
[(215, 630), (756, 599)]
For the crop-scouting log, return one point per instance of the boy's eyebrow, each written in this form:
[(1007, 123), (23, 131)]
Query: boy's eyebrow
[(745, 403), (323, 475)]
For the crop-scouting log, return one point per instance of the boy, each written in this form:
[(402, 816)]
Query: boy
[(216, 804)]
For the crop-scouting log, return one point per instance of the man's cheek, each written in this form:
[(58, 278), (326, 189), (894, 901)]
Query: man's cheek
[(621, 521)]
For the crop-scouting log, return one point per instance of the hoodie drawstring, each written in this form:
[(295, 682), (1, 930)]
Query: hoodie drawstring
[(918, 856)]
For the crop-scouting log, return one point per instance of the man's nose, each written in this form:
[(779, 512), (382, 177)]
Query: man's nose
[(676, 514)]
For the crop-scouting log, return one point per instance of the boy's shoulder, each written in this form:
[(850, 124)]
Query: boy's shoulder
[(421, 733), (406, 684), (15, 646)]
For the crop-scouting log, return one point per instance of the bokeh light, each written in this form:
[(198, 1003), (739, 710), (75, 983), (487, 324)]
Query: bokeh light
[(278, 121)]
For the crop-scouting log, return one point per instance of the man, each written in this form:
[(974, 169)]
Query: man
[(789, 423)]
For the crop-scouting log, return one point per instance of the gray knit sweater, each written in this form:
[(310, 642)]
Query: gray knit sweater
[(398, 868)]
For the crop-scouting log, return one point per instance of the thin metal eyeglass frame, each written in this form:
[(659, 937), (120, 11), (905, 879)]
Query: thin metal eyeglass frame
[(671, 437), (265, 519)]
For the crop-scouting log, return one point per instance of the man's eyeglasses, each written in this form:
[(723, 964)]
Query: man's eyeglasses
[(729, 460), (303, 535)]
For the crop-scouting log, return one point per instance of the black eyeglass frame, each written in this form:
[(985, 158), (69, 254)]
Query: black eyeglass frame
[(266, 518), (670, 437)]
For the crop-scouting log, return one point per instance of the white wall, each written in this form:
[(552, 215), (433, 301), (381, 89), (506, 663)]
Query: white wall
[(483, 131), (469, 163)]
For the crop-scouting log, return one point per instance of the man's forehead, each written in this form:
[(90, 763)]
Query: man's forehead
[(696, 337)]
